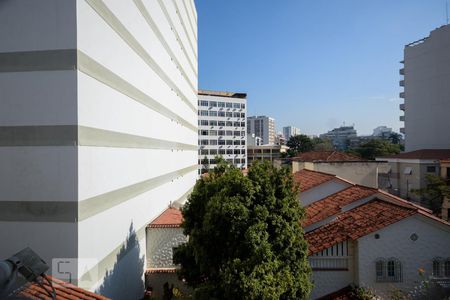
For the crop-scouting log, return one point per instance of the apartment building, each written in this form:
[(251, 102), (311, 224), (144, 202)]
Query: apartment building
[(340, 137), (263, 127), (222, 128), (290, 131), (426, 107), (265, 152), (98, 131)]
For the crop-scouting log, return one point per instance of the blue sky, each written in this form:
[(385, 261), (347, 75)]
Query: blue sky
[(313, 64)]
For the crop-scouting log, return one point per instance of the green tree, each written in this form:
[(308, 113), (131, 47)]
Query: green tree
[(395, 138), (376, 148), (299, 143), (435, 192), (322, 144), (205, 165), (245, 237)]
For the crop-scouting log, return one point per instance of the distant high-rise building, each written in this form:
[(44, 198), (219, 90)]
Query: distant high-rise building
[(382, 131), (222, 127), (263, 127), (290, 131), (427, 92), (340, 137)]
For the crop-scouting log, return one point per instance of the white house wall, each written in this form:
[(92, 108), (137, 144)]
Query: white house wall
[(433, 241)]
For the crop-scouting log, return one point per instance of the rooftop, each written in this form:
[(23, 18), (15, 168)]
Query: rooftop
[(308, 179), (170, 218), (331, 205), (222, 94), (327, 156), (356, 223), (63, 291), (438, 154)]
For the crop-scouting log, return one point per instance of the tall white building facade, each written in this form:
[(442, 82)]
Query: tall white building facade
[(263, 127), (98, 130), (222, 128), (426, 92), (290, 131)]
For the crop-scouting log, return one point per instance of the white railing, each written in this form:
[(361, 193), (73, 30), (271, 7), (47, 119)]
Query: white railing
[(328, 263)]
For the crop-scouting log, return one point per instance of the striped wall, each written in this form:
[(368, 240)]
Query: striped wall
[(98, 121)]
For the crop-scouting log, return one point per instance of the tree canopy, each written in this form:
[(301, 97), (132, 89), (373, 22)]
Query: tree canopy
[(245, 237), (435, 192), (299, 143), (376, 148)]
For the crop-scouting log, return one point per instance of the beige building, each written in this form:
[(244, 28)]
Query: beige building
[(407, 171), (268, 152), (426, 92)]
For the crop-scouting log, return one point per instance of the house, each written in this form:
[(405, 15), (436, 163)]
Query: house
[(408, 170), (363, 236), (342, 164)]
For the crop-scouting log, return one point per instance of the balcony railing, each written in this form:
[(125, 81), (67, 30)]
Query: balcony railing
[(401, 82), (402, 95), (329, 263), (402, 130), (402, 71), (402, 106), (402, 118)]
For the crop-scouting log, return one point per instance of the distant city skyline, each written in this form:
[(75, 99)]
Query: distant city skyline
[(303, 72)]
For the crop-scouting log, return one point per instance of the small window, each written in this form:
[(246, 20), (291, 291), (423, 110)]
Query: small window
[(237, 124), (242, 124), (229, 132), (229, 142), (213, 132), (229, 151), (431, 169), (204, 142), (237, 133), (243, 151), (204, 122), (203, 103), (237, 143), (213, 103), (221, 142), (221, 132), (221, 123), (229, 123), (379, 269), (437, 267), (221, 114), (242, 143), (243, 105), (229, 105), (212, 113), (229, 114), (221, 151), (212, 123), (213, 142), (242, 115), (203, 113), (237, 151), (236, 115), (236, 105), (388, 270), (221, 104), (204, 152), (447, 268), (237, 161)]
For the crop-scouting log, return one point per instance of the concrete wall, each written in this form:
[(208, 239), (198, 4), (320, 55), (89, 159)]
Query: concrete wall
[(427, 92), (105, 129), (433, 241)]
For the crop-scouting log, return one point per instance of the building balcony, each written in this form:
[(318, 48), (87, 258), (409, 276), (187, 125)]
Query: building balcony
[(402, 95), (402, 71), (402, 130), (402, 106), (402, 118), (401, 82)]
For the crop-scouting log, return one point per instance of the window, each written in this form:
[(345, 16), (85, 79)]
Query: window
[(243, 160), (242, 143), (203, 103), (204, 142), (447, 268), (389, 270), (213, 103), (437, 267), (229, 114), (242, 105), (230, 161), (212, 161), (203, 113), (203, 132), (237, 151), (221, 104), (242, 124), (221, 114), (221, 142), (221, 123), (213, 142), (212, 123), (229, 123), (213, 152), (204, 152), (242, 133), (431, 169), (229, 142), (236, 105), (229, 151), (229, 132), (243, 151), (204, 122), (229, 105), (213, 113), (236, 124), (237, 133), (221, 132), (213, 132), (221, 151), (237, 143), (237, 161), (236, 115), (242, 115)]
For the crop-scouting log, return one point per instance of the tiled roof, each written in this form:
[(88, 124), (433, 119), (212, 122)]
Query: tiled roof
[(308, 179), (331, 205), (170, 218), (63, 291), (313, 156), (423, 154), (356, 223), (160, 270)]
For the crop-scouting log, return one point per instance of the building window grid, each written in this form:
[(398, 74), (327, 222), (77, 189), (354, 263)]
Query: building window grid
[(388, 270), (441, 267)]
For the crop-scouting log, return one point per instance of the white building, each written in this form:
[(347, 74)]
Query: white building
[(427, 92), (363, 236), (263, 127), (222, 128), (290, 131), (98, 130), (382, 131), (340, 137)]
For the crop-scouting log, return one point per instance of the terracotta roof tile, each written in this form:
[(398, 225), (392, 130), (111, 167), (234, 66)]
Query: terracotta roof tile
[(170, 218), (423, 154), (313, 156), (308, 179), (331, 205), (355, 223), (64, 291)]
